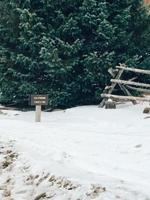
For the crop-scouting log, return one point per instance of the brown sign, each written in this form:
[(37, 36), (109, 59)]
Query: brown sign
[(38, 100)]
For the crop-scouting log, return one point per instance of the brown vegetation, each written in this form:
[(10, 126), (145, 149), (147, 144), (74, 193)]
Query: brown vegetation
[(147, 1)]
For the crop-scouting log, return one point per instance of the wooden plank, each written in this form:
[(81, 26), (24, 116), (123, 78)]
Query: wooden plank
[(142, 71), (130, 83), (124, 98)]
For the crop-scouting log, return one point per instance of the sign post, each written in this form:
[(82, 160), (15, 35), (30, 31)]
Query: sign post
[(38, 101), (38, 113)]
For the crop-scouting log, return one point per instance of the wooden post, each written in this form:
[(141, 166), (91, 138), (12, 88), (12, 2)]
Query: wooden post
[(38, 113), (38, 101), (118, 76)]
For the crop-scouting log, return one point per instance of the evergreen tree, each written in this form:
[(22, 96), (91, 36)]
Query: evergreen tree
[(65, 47)]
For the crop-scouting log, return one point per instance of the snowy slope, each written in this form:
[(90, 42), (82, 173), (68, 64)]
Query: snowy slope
[(103, 154)]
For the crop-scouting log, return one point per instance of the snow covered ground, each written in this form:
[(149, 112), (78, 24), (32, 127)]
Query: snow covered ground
[(81, 153)]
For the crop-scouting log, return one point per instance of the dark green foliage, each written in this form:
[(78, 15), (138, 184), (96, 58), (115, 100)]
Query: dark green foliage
[(64, 47)]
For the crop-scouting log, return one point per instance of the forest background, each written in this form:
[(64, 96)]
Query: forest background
[(64, 48)]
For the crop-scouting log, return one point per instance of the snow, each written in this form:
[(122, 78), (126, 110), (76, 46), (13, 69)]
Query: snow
[(101, 154)]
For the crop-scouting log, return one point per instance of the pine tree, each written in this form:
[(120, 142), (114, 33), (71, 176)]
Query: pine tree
[(64, 47)]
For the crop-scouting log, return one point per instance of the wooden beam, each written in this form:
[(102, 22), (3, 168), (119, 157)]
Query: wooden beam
[(124, 98), (112, 87), (134, 69), (138, 89), (132, 79), (130, 83)]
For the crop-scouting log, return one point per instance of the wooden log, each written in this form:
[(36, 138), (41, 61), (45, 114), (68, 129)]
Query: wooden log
[(132, 79), (124, 98), (138, 89), (130, 83), (142, 71)]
